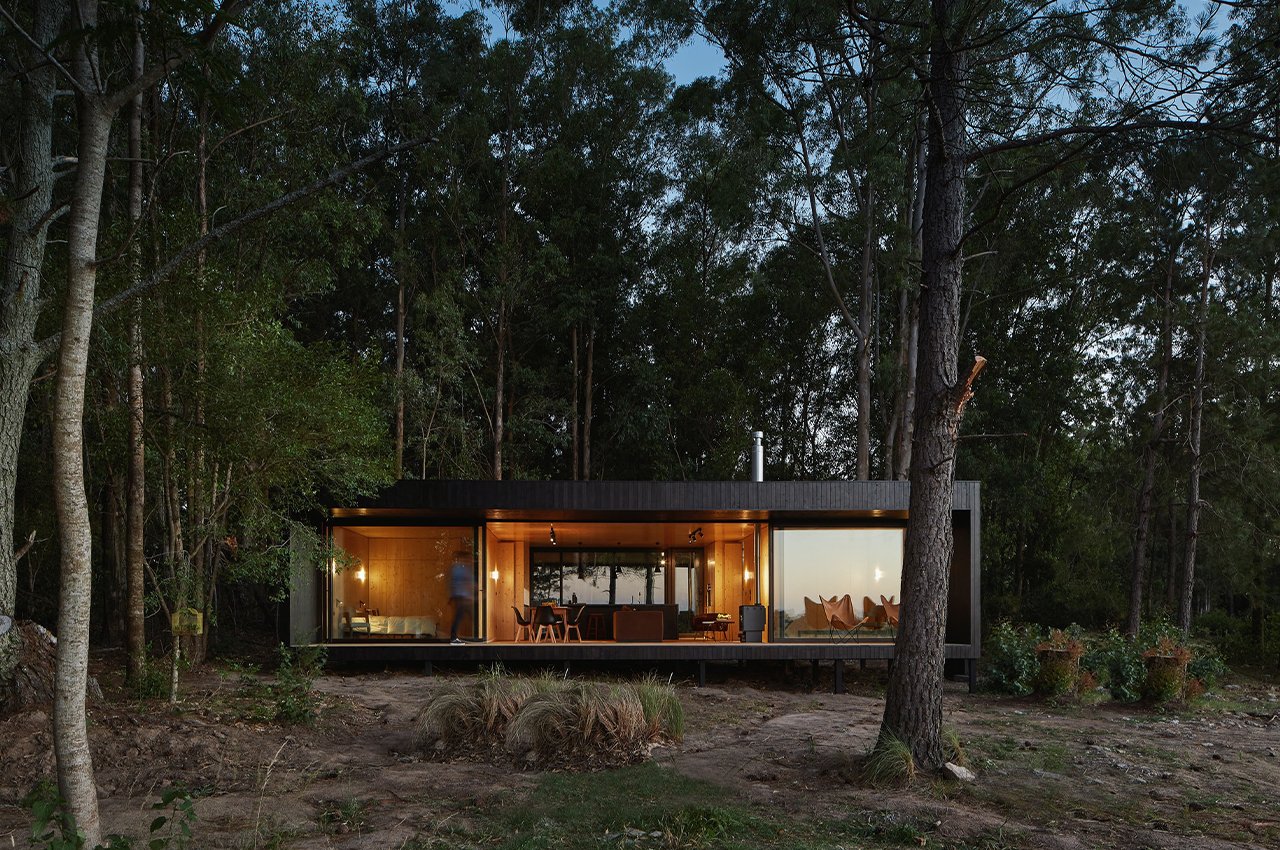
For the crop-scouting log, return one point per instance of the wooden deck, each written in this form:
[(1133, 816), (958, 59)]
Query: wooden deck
[(700, 652)]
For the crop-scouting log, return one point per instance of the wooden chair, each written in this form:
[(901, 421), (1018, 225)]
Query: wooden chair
[(572, 622), (523, 626), (547, 622)]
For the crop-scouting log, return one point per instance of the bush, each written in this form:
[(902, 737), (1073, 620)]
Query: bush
[(291, 693), (1207, 666), (1010, 658), (1114, 660), (1059, 659)]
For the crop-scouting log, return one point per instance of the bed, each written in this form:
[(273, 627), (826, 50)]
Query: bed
[(420, 626)]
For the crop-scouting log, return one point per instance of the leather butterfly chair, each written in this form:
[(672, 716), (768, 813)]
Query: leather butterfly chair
[(890, 611), (875, 614), (523, 626), (841, 617)]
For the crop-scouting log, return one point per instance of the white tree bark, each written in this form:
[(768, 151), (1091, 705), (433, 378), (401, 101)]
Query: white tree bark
[(70, 720)]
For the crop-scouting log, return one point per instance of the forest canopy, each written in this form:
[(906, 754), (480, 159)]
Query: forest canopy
[(573, 267)]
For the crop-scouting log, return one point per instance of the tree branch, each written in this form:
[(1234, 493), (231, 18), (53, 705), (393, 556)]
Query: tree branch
[(966, 392), (50, 344), (44, 51)]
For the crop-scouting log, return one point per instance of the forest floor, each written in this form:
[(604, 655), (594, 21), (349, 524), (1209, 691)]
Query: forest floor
[(766, 762)]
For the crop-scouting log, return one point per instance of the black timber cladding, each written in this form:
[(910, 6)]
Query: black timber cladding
[(655, 499)]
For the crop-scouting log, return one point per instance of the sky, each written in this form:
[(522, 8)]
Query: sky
[(695, 58)]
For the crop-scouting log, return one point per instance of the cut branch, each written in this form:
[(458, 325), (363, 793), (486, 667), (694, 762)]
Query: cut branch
[(966, 392)]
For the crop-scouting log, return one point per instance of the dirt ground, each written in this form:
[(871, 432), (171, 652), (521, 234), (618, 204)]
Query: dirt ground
[(1048, 776)]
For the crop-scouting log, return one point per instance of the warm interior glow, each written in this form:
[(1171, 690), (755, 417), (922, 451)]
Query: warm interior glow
[(360, 574), (494, 575), (746, 575)]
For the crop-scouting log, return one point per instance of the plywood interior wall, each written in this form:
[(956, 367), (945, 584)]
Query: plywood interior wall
[(410, 578), (502, 593), (347, 590)]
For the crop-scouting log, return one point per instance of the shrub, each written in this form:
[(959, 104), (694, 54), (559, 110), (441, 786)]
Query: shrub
[(1166, 677), (1059, 664), (1207, 666), (1115, 661), (291, 693), (1010, 658)]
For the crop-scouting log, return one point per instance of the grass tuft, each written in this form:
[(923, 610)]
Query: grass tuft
[(551, 721), (953, 747), (890, 762)]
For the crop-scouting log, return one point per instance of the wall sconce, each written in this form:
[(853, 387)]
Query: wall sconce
[(746, 575), (494, 575), (361, 575)]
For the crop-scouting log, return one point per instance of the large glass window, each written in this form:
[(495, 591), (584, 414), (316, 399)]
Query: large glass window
[(402, 583), (811, 564), (597, 576)]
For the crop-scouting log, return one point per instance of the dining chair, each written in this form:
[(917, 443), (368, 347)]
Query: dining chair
[(573, 621), (547, 622), (523, 626)]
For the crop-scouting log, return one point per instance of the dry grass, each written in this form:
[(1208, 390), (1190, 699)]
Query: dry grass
[(548, 721)]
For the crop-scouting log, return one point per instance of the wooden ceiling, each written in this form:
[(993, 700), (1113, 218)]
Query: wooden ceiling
[(656, 534), (666, 535)]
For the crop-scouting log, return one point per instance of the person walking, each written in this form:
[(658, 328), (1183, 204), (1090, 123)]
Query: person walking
[(462, 590)]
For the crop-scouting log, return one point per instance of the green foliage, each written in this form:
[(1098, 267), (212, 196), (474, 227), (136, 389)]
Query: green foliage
[(1059, 656), (295, 674), (52, 826), (1009, 658), (155, 679), (1116, 661), (172, 830)]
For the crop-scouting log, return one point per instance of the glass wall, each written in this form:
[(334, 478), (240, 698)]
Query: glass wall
[(399, 583), (597, 576), (811, 564)]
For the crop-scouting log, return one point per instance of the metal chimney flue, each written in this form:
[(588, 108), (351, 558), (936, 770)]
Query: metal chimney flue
[(757, 456)]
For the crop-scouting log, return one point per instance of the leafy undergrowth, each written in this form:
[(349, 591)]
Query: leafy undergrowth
[(652, 806)]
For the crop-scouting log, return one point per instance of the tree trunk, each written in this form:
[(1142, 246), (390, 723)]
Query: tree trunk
[(499, 393), (1150, 453), (402, 273), (29, 209), (574, 423), (1197, 415), (70, 721), (913, 700), (906, 430), (135, 496), (864, 312), (588, 392)]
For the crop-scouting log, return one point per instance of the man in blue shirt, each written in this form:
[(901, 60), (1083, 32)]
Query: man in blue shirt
[(462, 590)]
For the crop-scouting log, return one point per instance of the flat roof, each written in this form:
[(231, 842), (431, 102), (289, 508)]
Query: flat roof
[(657, 500)]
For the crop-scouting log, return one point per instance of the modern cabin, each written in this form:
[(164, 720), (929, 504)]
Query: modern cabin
[(647, 571)]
